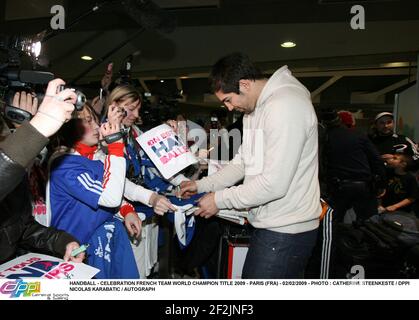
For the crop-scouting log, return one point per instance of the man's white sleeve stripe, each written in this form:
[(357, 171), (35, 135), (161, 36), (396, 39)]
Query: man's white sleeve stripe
[(87, 187), (90, 184), (97, 182)]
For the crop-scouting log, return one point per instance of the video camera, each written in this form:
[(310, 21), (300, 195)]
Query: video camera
[(14, 79)]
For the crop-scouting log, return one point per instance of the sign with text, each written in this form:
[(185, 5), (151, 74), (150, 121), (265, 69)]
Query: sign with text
[(168, 152), (34, 265)]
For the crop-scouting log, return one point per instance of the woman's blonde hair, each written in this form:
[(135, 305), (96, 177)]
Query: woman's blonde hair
[(122, 93)]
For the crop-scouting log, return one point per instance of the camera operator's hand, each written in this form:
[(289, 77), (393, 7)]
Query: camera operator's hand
[(187, 189), (108, 128), (161, 204), (55, 109), (26, 101), (115, 114)]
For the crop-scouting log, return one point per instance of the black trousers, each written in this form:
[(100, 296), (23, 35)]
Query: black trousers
[(358, 195)]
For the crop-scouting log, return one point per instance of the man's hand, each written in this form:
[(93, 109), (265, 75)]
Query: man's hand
[(187, 189), (69, 248), (381, 209), (26, 102), (54, 110), (161, 204), (133, 224), (207, 206)]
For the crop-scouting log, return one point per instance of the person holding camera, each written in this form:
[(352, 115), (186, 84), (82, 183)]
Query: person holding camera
[(21, 147), (123, 105), (18, 229)]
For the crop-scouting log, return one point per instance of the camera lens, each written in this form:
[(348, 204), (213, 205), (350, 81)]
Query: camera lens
[(81, 100)]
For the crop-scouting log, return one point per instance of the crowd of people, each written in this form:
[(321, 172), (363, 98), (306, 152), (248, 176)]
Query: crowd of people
[(85, 188)]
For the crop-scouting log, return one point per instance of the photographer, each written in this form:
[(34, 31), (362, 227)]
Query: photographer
[(18, 229), (20, 148)]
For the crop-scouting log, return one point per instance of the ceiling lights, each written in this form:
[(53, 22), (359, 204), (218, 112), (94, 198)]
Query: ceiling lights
[(288, 44)]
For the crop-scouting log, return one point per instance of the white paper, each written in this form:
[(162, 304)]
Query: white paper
[(166, 150), (33, 265)]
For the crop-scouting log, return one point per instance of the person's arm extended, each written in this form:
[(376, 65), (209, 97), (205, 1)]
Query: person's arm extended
[(137, 193), (38, 238), (113, 177), (16, 153), (226, 177), (376, 163), (82, 183), (414, 148), (404, 203), (284, 136)]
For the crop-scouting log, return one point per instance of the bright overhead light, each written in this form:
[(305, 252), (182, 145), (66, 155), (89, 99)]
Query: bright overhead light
[(395, 64), (87, 58), (288, 44), (36, 48), (161, 81)]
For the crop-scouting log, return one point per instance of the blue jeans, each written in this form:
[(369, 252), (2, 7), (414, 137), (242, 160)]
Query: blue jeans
[(275, 255)]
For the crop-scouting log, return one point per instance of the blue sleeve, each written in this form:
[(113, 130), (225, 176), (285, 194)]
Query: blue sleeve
[(81, 183)]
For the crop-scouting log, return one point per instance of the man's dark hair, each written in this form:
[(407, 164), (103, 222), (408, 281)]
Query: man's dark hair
[(229, 70)]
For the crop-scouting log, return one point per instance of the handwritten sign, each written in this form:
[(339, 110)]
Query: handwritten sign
[(34, 265), (166, 150)]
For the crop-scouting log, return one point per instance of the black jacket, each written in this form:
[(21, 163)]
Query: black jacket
[(18, 228), (350, 155), (395, 143)]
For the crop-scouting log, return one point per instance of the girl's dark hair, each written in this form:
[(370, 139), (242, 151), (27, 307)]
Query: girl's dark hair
[(73, 131), (229, 70)]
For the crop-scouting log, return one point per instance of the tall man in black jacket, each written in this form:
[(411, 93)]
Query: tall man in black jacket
[(354, 170)]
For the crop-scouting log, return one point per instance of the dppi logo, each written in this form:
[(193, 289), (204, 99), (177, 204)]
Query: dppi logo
[(20, 287)]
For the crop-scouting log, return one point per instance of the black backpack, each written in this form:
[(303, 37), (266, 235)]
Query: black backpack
[(385, 246)]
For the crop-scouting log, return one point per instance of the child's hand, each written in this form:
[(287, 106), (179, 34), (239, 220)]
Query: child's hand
[(381, 209), (107, 129), (391, 208)]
